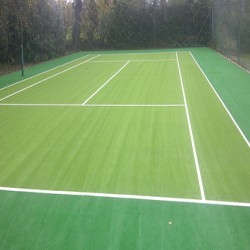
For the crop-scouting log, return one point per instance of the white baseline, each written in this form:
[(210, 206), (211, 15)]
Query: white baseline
[(150, 53), (124, 196), (145, 60)]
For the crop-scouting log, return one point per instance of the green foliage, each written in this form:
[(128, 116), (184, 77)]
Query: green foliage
[(130, 24), (89, 25), (77, 9), (232, 20), (231, 33), (38, 24), (49, 28)]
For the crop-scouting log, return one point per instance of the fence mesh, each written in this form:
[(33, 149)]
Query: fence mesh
[(231, 30)]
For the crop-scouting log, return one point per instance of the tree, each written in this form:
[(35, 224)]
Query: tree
[(50, 27), (77, 7), (89, 26)]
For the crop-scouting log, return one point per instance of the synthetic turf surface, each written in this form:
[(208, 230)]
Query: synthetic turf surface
[(65, 222), (126, 150), (110, 150)]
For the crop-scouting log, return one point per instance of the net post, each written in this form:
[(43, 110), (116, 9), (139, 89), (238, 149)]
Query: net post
[(22, 59)]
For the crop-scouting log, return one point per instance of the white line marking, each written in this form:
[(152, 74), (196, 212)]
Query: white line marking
[(154, 60), (117, 72), (235, 123), (134, 105), (125, 196), (150, 53), (146, 60), (40, 104), (109, 61), (191, 134), (89, 105), (42, 73), (47, 78)]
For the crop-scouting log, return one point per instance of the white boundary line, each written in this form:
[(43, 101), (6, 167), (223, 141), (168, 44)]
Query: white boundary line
[(235, 123), (166, 52), (191, 133), (89, 105), (150, 53), (45, 79), (117, 72), (40, 105), (42, 73), (146, 60), (134, 105), (154, 60), (125, 196)]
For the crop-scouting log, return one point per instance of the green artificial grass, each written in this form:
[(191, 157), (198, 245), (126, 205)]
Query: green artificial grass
[(118, 149), (11, 78), (135, 150), (231, 82), (223, 154), (37, 221), (136, 84), (73, 86)]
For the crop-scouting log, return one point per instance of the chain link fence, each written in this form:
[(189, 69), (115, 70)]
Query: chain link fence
[(231, 30)]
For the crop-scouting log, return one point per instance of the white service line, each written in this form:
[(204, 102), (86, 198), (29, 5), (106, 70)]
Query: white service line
[(45, 79), (117, 72), (41, 104), (223, 104), (88, 105), (109, 61), (125, 196), (42, 73), (134, 105), (191, 133), (154, 60)]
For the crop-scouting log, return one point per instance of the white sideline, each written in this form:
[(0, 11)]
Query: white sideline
[(45, 79), (191, 134), (125, 196), (223, 104), (42, 73), (89, 105), (117, 72)]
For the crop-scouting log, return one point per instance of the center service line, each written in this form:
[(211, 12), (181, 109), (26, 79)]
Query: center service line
[(191, 134), (106, 82)]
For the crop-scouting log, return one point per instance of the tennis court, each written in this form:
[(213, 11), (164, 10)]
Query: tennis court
[(136, 150)]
